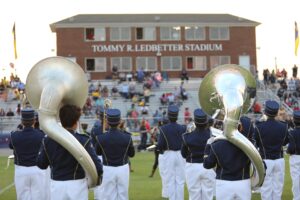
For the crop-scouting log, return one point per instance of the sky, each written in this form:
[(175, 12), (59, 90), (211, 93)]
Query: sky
[(275, 36)]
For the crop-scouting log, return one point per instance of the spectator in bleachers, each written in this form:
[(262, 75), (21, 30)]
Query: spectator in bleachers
[(114, 91), (92, 88), (140, 75), (147, 94), (295, 71), (157, 78), (256, 108), (10, 113), (184, 75), (165, 76), (18, 109), (163, 99), (124, 90), (284, 73), (95, 94), (132, 88), (266, 75), (2, 112), (104, 92), (291, 85), (144, 136), (187, 115)]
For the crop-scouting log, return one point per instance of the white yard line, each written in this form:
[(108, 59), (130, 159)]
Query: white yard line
[(6, 188)]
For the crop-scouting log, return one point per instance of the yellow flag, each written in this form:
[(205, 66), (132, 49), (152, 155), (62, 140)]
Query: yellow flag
[(296, 39), (15, 40)]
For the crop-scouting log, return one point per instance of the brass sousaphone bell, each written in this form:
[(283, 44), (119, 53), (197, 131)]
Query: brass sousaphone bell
[(52, 83), (231, 89)]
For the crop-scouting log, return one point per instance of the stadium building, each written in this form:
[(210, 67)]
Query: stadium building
[(156, 42)]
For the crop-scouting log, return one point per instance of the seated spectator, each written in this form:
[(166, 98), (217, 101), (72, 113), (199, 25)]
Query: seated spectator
[(114, 91), (184, 75), (18, 109), (114, 72), (132, 88), (171, 98), (144, 110), (2, 112), (163, 99), (105, 92), (184, 95), (157, 79), (10, 113), (280, 92), (95, 95), (91, 88), (147, 94)]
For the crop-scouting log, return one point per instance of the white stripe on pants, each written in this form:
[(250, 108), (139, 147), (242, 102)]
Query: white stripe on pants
[(115, 183), (273, 183), (30, 183), (229, 190), (67, 190), (295, 175), (175, 174), (200, 181), (163, 171)]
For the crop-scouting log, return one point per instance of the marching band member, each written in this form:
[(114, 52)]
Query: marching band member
[(200, 181), (169, 143), (115, 146), (270, 136), (294, 151), (29, 179), (67, 176), (232, 169)]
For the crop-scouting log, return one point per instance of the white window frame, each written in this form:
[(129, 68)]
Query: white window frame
[(163, 68), (193, 30), (98, 31), (145, 30), (120, 31), (120, 63), (98, 67), (146, 62), (171, 31), (196, 65), (220, 60), (219, 33)]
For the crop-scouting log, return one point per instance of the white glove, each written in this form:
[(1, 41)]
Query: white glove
[(210, 140)]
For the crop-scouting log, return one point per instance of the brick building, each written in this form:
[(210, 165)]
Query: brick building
[(156, 42)]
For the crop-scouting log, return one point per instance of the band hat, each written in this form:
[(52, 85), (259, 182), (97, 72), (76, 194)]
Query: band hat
[(27, 114), (271, 108), (200, 117), (173, 111), (113, 116), (296, 116)]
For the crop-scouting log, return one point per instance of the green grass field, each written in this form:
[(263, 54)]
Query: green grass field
[(141, 186)]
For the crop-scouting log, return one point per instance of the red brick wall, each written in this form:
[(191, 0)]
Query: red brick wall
[(70, 42)]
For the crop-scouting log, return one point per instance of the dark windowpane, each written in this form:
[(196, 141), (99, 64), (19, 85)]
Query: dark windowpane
[(190, 62), (89, 34), (139, 33), (90, 64)]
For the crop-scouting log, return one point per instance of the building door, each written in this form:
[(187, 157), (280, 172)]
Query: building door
[(244, 61)]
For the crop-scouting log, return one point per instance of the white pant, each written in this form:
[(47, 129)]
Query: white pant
[(273, 184), (69, 190), (175, 174), (163, 171), (30, 183), (97, 190), (295, 175), (200, 181), (115, 183), (229, 190)]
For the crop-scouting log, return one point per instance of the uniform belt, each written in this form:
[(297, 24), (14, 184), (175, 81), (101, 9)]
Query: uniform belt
[(198, 162), (114, 165)]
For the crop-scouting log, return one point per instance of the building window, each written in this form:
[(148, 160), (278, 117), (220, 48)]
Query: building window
[(145, 33), (172, 63), (123, 63), (95, 34), (219, 33), (95, 64), (170, 33), (219, 60), (146, 63), (196, 63), (194, 33), (120, 34)]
